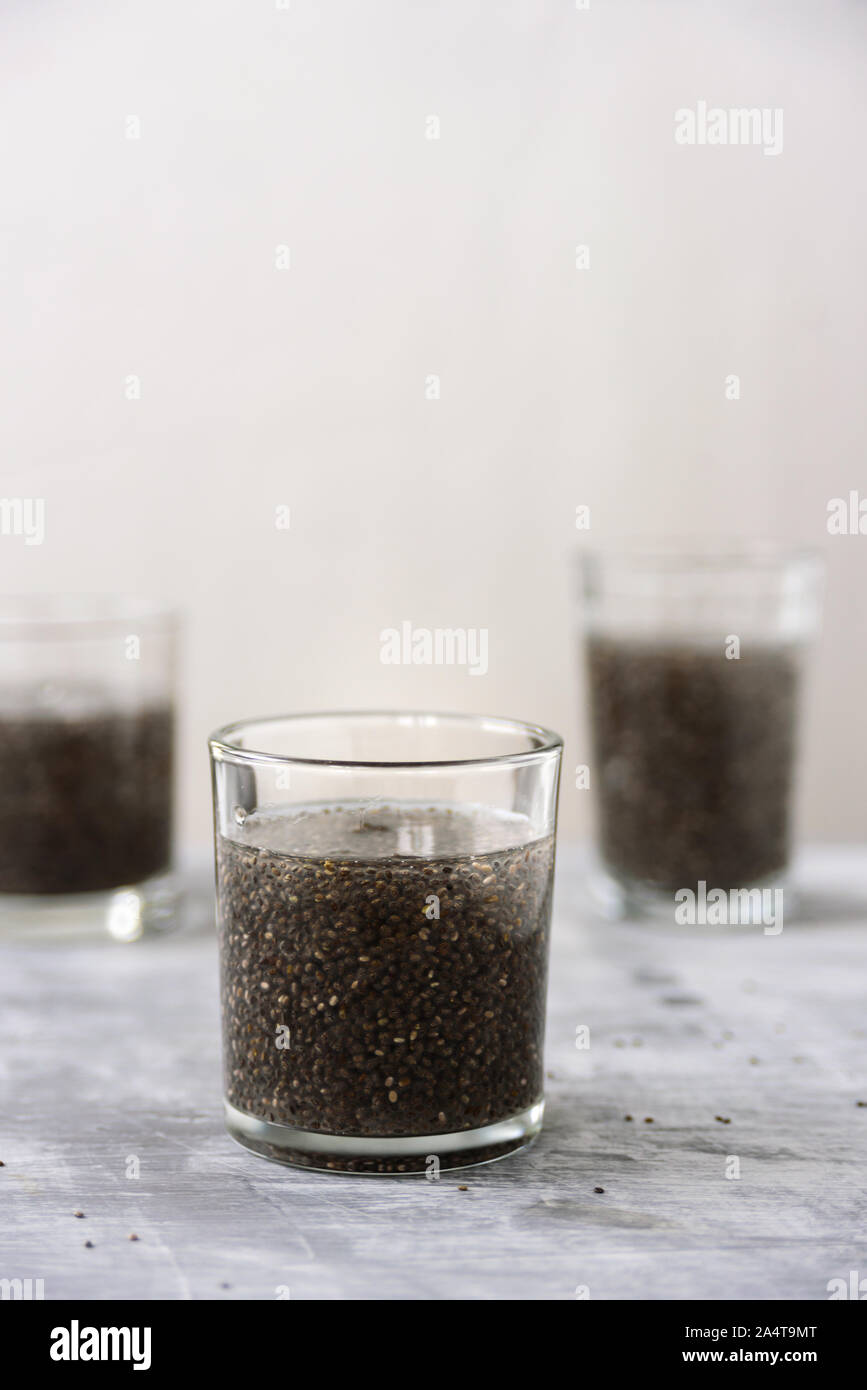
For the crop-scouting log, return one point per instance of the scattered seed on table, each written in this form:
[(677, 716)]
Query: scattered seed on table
[(132, 1236), (648, 1119), (627, 1117), (78, 1213), (88, 1245), (722, 1119), (599, 1189)]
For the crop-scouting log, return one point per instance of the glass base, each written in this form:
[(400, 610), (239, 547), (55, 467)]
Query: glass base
[(618, 898), (425, 1153), (121, 914)]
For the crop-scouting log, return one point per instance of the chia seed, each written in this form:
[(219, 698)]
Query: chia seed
[(85, 799), (694, 760), (399, 1022)]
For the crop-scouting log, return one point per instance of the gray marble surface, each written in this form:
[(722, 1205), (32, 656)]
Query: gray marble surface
[(110, 1065)]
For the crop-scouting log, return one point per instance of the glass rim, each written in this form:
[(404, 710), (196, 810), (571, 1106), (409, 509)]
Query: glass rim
[(59, 615), (223, 748)]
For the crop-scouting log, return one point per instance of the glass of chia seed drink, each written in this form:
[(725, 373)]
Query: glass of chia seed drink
[(86, 734), (384, 888), (694, 661)]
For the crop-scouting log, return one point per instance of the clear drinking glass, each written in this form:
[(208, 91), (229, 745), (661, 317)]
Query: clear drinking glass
[(694, 661), (86, 734), (383, 898)]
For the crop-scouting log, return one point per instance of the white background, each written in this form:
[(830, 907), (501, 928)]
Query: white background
[(306, 127)]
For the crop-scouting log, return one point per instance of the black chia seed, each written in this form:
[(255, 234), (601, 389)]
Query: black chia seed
[(392, 1021), (85, 798), (694, 759)]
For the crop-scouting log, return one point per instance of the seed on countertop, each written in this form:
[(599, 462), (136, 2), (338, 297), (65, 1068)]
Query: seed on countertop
[(599, 1189), (132, 1236), (78, 1213)]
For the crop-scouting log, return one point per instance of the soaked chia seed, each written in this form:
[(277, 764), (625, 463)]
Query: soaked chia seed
[(85, 797), (694, 758), (349, 1007)]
